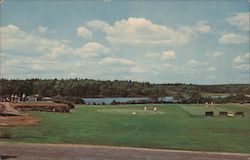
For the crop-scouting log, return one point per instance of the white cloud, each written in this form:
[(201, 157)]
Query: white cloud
[(211, 69), (163, 68), (84, 32), (14, 39), (151, 55), (231, 38), (38, 67), (137, 69), (211, 77), (120, 61), (41, 29), (242, 66), (194, 63), (168, 55), (58, 50), (46, 64), (242, 61), (203, 27), (215, 54), (241, 58), (170, 67), (91, 49), (11, 30), (98, 24), (240, 20), (142, 31), (32, 63)]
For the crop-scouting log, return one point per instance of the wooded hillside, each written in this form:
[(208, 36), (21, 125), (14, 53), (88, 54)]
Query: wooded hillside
[(97, 88)]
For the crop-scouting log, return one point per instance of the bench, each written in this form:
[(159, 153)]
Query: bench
[(239, 114), (210, 113), (222, 113)]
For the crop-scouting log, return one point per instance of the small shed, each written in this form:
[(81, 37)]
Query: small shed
[(31, 98)]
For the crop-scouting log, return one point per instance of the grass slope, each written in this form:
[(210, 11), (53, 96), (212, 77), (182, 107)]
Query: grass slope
[(176, 126)]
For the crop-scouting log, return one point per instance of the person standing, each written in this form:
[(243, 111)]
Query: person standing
[(155, 109), (12, 98), (23, 97)]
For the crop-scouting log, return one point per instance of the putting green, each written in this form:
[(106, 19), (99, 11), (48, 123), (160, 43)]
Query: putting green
[(132, 111), (200, 110)]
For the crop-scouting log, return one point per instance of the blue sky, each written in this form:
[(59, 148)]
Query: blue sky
[(201, 42)]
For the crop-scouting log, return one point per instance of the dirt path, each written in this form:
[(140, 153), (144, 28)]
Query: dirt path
[(91, 152), (9, 116), (8, 109)]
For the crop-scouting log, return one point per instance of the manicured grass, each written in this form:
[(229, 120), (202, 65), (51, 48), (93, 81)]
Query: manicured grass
[(129, 111), (173, 126)]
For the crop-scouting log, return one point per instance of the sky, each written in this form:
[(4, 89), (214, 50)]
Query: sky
[(198, 42)]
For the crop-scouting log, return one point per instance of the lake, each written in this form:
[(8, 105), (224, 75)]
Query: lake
[(218, 97), (109, 100)]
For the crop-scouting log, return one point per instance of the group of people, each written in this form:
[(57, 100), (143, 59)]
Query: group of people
[(14, 98), (209, 104), (154, 109)]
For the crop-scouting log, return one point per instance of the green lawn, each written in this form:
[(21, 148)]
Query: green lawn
[(173, 126)]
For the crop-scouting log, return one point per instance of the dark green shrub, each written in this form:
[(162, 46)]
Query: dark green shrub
[(70, 104)]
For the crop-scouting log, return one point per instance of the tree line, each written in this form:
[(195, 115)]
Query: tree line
[(97, 88)]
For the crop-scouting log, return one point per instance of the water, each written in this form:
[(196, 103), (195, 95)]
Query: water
[(167, 99), (218, 97), (109, 100)]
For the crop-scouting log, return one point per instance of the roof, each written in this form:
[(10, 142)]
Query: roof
[(48, 98)]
